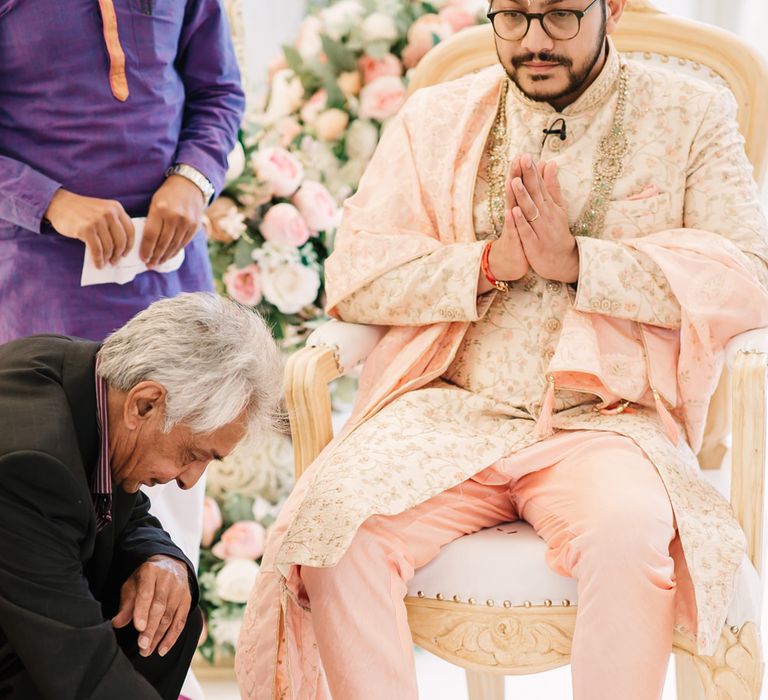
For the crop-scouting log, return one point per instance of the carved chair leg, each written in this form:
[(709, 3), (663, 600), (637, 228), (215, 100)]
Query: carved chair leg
[(485, 686), (735, 671), (689, 685)]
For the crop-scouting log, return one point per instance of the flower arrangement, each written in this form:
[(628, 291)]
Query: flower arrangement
[(302, 152), (305, 147), (244, 494)]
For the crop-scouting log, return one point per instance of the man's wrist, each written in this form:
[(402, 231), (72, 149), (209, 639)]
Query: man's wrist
[(195, 177)]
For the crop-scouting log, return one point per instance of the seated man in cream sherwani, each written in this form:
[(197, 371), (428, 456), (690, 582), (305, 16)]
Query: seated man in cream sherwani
[(562, 246)]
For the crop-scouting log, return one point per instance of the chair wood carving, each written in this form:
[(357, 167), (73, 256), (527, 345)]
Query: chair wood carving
[(492, 639)]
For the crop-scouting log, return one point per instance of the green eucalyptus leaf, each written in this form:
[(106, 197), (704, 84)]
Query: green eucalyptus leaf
[(338, 56)]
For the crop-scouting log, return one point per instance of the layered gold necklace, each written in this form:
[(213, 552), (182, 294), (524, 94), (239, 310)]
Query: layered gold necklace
[(606, 169)]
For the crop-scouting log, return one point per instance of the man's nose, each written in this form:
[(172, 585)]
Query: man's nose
[(537, 40), (188, 478)]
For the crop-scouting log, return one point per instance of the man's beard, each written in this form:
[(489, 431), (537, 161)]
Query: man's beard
[(576, 79)]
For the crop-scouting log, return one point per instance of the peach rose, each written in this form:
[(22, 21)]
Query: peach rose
[(317, 206), (243, 540), (243, 284), (212, 521), (313, 106), (279, 169), (382, 98), (350, 83), (287, 129), (330, 124), (284, 224), (378, 68), (421, 37)]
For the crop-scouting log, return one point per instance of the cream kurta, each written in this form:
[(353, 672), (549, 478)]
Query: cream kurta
[(686, 168)]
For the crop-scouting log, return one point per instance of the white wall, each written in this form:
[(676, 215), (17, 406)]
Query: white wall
[(271, 24)]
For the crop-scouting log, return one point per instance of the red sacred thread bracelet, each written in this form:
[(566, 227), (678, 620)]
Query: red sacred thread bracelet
[(486, 269)]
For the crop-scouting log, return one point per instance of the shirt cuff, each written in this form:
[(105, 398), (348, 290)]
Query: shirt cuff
[(204, 163)]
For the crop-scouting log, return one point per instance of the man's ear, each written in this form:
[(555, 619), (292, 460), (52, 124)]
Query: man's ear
[(145, 402), (614, 11)]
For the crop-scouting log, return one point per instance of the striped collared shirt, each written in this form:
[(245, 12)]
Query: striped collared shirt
[(101, 484)]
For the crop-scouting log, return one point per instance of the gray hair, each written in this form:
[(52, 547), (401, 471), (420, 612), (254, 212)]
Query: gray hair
[(215, 358)]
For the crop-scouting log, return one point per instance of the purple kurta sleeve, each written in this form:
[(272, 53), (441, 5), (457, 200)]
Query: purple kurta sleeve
[(25, 194), (214, 99)]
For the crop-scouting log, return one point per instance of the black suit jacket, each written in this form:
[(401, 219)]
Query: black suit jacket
[(59, 580)]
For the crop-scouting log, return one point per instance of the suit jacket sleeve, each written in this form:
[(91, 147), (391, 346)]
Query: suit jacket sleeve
[(47, 612), (144, 537)]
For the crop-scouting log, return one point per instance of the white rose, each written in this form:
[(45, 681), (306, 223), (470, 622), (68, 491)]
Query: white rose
[(362, 139), (290, 287), (226, 630), (235, 580), (285, 97), (232, 223), (379, 27), (235, 163), (308, 43), (341, 17), (272, 254)]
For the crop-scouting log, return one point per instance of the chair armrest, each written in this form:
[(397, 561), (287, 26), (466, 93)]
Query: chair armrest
[(751, 341), (748, 358), (352, 342), (332, 350)]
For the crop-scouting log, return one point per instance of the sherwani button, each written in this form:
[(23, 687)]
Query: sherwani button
[(553, 325), (553, 286)]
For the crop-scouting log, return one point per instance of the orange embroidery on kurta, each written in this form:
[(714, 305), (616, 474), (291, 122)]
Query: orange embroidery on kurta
[(117, 77)]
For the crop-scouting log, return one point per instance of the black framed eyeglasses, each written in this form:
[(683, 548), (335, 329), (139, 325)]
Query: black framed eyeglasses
[(560, 25)]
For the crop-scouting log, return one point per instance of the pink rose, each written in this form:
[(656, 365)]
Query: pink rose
[(279, 169), (243, 284), (317, 206), (379, 68), (457, 17), (211, 521), (382, 98), (313, 106), (422, 35), (284, 224), (244, 540)]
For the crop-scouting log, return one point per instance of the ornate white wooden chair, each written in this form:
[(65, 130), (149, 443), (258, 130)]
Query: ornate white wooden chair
[(465, 606)]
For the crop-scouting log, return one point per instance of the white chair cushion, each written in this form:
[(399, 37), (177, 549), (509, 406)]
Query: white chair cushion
[(505, 566), (502, 563)]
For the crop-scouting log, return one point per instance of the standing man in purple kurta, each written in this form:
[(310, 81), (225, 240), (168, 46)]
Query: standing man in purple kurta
[(109, 109)]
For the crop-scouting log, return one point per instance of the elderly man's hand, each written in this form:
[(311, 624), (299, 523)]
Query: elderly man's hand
[(175, 216), (157, 598)]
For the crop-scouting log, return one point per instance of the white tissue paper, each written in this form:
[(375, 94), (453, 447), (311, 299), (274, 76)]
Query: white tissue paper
[(128, 267)]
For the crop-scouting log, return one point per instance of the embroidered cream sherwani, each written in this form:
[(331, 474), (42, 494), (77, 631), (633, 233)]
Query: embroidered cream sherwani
[(482, 384)]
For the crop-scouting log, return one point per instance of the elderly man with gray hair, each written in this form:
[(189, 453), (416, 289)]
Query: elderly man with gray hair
[(95, 599)]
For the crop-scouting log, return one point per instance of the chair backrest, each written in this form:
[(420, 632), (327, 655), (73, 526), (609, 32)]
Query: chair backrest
[(645, 33)]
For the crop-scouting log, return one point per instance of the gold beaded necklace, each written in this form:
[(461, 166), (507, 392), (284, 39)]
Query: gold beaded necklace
[(606, 170)]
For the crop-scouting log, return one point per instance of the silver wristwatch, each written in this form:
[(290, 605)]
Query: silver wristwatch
[(195, 177)]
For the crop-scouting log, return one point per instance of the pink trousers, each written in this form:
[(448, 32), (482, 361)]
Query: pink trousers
[(602, 509)]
